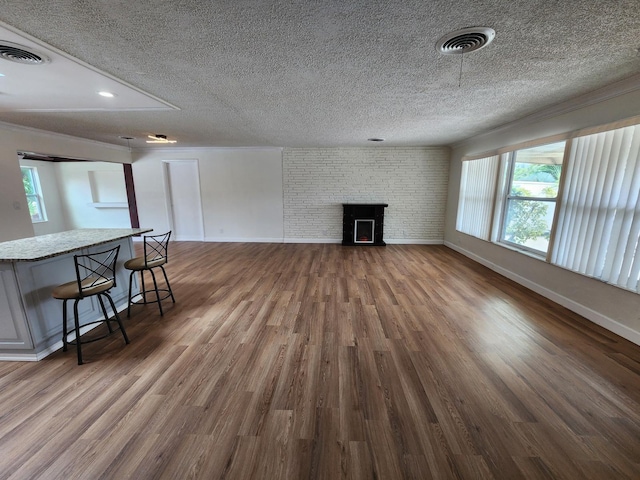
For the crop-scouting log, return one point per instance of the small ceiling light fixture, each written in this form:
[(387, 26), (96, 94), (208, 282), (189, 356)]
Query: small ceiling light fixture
[(104, 93), (375, 139), (159, 138), (463, 41)]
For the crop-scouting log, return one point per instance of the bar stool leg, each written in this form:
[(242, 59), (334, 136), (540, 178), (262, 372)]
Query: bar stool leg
[(64, 326), (106, 316), (155, 286), (117, 317), (166, 279), (129, 303), (144, 290), (77, 328)]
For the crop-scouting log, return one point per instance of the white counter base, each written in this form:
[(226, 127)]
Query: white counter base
[(31, 319)]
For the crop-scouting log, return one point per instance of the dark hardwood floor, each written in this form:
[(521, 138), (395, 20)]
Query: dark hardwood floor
[(322, 361)]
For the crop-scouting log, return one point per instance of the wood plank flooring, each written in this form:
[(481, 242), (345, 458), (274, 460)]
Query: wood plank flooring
[(283, 361)]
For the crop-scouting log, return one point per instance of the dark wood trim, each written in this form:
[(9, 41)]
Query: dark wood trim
[(131, 195)]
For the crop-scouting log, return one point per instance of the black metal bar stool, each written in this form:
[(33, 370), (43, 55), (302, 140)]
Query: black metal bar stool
[(154, 256), (95, 276)]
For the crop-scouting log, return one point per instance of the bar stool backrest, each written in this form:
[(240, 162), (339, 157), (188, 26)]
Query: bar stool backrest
[(156, 249), (96, 272)]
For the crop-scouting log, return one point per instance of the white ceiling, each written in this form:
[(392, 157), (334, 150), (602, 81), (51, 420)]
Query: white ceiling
[(303, 73)]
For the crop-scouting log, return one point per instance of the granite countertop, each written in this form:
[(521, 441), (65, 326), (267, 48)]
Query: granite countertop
[(46, 246)]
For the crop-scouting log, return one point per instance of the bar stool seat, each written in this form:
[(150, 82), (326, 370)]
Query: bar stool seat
[(155, 255), (95, 276)]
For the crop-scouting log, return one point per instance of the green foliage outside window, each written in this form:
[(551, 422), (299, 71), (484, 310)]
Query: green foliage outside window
[(537, 172), (526, 219), (33, 197)]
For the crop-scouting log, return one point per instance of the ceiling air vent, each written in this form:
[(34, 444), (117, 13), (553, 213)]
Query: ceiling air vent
[(20, 54), (465, 40)]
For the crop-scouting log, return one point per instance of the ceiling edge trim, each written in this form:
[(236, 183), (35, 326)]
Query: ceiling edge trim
[(163, 150), (89, 110), (616, 89), (47, 133)]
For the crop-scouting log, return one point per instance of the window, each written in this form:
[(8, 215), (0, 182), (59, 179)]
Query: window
[(533, 179), (33, 192), (594, 179)]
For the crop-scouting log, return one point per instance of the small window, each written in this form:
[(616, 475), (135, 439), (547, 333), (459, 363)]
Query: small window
[(530, 202), (33, 191)]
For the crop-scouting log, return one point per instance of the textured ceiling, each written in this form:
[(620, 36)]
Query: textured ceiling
[(328, 73)]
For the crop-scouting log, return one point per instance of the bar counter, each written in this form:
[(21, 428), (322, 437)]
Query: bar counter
[(30, 319)]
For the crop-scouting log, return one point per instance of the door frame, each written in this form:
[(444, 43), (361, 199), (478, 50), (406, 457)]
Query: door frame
[(168, 192)]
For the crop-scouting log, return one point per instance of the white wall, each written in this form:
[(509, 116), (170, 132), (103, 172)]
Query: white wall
[(241, 192), (611, 307), (93, 194), (15, 221), (413, 181), (56, 213)]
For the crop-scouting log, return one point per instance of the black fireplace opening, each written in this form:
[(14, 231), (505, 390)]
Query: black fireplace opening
[(363, 224), (363, 231)]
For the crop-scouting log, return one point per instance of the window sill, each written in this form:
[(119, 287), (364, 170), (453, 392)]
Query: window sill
[(109, 204), (529, 253)]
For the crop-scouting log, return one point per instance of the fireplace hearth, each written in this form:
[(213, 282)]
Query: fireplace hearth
[(363, 224)]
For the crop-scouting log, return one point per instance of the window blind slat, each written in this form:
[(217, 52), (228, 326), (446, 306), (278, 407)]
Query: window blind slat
[(568, 223), (477, 192), (599, 219), (583, 204), (617, 229)]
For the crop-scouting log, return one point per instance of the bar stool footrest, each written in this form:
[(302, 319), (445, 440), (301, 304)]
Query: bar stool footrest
[(94, 339), (152, 293)]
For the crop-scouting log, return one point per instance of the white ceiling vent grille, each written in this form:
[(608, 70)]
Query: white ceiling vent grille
[(465, 40), (21, 54)]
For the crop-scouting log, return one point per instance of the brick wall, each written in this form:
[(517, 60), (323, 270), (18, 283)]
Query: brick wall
[(413, 181)]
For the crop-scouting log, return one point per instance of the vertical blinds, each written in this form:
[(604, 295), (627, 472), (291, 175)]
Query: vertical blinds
[(476, 199), (599, 219)]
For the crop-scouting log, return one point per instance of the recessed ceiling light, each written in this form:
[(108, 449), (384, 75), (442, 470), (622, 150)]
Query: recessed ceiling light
[(106, 94), (375, 139)]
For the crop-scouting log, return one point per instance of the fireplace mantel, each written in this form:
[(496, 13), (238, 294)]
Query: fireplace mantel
[(369, 215)]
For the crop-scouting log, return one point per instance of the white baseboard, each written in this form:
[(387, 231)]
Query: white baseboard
[(243, 239), (588, 313), (19, 357), (409, 241), (173, 239), (312, 240), (391, 241)]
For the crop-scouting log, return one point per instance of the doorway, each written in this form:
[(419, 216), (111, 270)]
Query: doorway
[(184, 205)]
